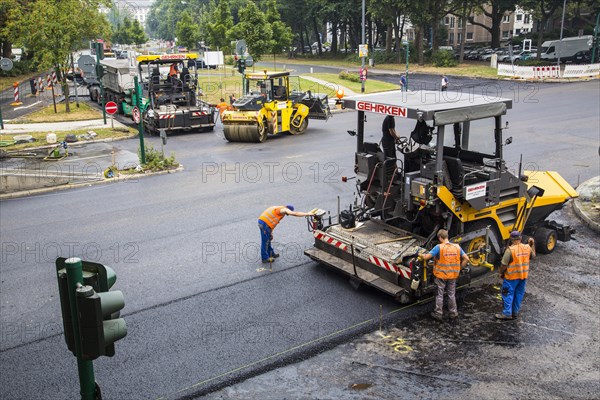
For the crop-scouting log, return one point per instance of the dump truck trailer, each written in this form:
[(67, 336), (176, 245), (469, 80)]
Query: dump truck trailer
[(451, 175)]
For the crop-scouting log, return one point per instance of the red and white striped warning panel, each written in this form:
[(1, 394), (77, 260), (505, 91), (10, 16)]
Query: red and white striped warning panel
[(330, 240), (198, 113), (389, 266), (166, 116)]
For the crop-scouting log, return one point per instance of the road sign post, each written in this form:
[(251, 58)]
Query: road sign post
[(111, 108), (140, 123), (99, 73)]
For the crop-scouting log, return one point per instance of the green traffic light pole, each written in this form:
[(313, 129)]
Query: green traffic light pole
[(98, 68), (595, 42), (138, 104), (85, 367)]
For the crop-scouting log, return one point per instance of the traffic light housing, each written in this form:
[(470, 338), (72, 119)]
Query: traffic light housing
[(100, 279), (97, 327), (241, 65)]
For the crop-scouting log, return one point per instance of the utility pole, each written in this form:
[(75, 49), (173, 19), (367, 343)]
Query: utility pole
[(562, 24), (362, 81)]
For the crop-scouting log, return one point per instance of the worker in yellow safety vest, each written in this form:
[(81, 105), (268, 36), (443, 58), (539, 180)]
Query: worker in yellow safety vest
[(267, 221), (449, 258), (514, 268)]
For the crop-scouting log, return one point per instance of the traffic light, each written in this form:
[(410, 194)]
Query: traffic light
[(97, 327), (241, 65), (98, 324)]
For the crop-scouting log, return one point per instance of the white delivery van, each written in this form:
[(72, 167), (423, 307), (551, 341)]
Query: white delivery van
[(566, 48)]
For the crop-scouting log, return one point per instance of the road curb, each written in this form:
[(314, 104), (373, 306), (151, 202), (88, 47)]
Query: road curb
[(120, 178), (593, 225), (586, 194), (74, 144)]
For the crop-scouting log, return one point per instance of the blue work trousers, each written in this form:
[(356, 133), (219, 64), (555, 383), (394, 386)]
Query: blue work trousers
[(512, 295), (266, 250)]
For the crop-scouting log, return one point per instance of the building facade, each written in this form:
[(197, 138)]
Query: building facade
[(513, 23)]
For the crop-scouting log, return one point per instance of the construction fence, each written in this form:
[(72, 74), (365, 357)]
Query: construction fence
[(536, 72)]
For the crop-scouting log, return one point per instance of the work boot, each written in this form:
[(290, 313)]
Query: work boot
[(268, 260), (275, 255), (502, 316), (436, 316), (515, 316), (453, 315)]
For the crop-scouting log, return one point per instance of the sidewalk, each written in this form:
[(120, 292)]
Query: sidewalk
[(10, 128), (347, 92), (587, 205)]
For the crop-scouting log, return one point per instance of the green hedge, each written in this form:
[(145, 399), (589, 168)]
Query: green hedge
[(349, 76), (443, 58), (19, 68)]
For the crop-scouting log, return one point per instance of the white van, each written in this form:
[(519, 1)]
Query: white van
[(566, 49)]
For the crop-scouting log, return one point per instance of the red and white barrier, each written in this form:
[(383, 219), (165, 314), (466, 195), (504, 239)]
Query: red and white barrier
[(549, 71), (54, 79), (17, 101), (40, 84), (48, 80)]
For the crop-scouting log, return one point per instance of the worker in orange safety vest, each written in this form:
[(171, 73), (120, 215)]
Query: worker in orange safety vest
[(449, 258), (267, 221), (514, 268)]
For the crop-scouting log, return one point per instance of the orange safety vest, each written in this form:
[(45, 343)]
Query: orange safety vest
[(519, 266), (272, 215), (447, 266), (222, 107), (172, 70)]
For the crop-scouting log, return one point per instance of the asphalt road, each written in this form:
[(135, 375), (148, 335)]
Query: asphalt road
[(202, 311)]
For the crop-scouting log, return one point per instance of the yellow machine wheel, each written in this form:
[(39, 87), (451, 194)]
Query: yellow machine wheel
[(300, 130), (545, 240), (478, 242)]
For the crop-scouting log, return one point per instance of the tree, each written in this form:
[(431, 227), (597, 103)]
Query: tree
[(495, 10), (282, 34), (137, 34), (543, 10), (222, 22), (187, 31), (253, 28), (50, 30)]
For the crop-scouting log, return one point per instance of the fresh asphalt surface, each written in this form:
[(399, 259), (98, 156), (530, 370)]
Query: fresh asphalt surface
[(201, 309)]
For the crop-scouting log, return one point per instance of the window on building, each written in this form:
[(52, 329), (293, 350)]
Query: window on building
[(519, 17), (447, 20), (469, 35), (459, 37), (517, 31), (506, 19), (460, 22), (451, 22), (451, 39), (505, 34), (527, 18)]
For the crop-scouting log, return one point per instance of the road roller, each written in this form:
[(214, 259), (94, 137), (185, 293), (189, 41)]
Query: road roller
[(268, 106)]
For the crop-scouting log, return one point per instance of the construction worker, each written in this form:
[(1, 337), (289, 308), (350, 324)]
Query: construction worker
[(449, 258), (172, 73), (267, 221), (514, 269), (388, 142), (222, 106)]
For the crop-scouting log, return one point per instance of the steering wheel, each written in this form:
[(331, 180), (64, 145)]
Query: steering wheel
[(406, 145)]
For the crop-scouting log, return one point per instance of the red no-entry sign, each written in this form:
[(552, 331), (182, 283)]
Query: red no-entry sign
[(111, 107)]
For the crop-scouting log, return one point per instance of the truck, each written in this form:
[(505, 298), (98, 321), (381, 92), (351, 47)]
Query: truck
[(565, 49), (452, 175), (269, 106), (174, 103), (118, 82)]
